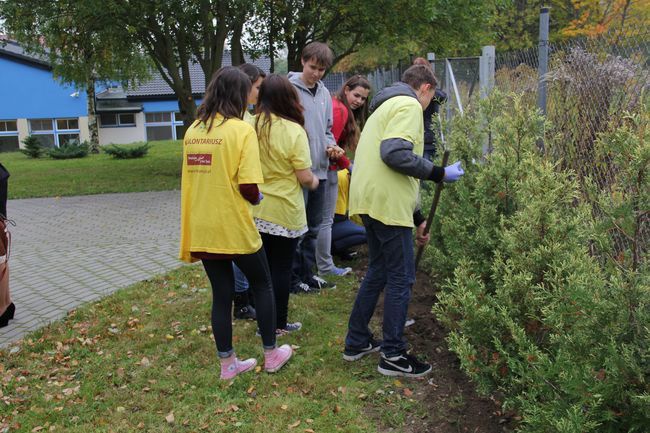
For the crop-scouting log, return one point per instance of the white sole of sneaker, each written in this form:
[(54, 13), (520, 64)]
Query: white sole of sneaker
[(276, 369), (394, 373), (360, 355)]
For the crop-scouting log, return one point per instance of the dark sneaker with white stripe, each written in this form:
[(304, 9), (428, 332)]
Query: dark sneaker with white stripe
[(318, 283), (304, 288), (354, 353), (403, 365)]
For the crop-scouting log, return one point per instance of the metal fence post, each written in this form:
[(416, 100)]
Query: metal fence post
[(431, 57), (544, 19), (543, 58), (486, 70)]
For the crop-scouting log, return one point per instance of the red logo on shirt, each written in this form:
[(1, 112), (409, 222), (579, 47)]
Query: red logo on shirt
[(199, 159)]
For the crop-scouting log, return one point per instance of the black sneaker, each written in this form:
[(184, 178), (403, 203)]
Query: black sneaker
[(354, 354), (304, 288), (403, 365), (245, 313), (318, 283)]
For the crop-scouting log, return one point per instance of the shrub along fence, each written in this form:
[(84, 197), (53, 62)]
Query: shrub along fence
[(542, 302)]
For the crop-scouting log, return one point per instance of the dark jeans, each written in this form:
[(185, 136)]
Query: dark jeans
[(305, 259), (391, 267), (346, 234), (220, 274), (280, 251)]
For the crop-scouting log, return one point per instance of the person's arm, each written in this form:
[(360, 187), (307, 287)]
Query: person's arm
[(250, 192), (339, 118), (329, 136), (307, 179), (397, 153)]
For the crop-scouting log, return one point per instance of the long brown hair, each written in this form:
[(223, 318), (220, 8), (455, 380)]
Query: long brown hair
[(279, 97), (357, 118), (227, 94)]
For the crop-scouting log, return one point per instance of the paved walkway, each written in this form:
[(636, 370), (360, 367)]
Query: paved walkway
[(72, 250)]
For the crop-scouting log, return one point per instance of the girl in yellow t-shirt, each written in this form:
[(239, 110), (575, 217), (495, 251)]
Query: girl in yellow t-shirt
[(286, 162), (221, 170)]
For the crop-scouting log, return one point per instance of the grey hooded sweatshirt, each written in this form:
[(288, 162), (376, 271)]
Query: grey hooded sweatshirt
[(318, 122), (397, 153)]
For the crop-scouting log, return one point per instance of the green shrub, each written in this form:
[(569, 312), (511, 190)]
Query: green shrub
[(540, 302), (127, 152), (33, 148), (70, 150)]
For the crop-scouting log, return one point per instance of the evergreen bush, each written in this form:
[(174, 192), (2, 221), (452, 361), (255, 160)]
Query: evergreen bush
[(70, 150), (541, 303), (33, 148), (127, 152)]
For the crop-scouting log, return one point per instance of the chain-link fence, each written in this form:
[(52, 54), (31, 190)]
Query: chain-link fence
[(593, 86)]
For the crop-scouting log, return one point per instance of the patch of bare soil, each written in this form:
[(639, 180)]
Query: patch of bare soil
[(450, 403)]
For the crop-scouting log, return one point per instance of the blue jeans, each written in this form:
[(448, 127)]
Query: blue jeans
[(346, 234), (391, 267), (305, 260), (241, 283)]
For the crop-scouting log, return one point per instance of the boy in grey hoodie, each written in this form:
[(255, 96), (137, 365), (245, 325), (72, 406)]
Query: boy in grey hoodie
[(317, 102)]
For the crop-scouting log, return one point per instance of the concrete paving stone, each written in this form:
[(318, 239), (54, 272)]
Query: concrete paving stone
[(67, 251)]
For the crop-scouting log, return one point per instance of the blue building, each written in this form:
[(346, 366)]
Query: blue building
[(33, 102)]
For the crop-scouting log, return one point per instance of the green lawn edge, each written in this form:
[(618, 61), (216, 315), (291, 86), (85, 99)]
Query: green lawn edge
[(143, 359), (159, 170)]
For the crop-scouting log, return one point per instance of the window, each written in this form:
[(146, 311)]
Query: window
[(159, 117), (8, 135), (41, 125), (8, 143), (68, 138), (8, 126), (54, 132), (108, 119), (67, 124), (127, 119), (163, 126), (116, 119), (46, 140)]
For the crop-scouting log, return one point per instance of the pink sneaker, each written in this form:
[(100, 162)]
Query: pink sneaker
[(276, 358), (231, 366)]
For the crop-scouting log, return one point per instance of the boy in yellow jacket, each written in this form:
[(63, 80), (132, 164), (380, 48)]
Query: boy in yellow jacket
[(384, 192)]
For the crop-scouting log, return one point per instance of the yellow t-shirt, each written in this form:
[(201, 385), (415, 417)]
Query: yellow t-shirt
[(215, 218), (344, 192), (376, 189), (248, 117), (287, 151)]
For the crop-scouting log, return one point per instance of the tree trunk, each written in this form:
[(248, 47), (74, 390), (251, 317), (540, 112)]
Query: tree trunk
[(236, 50), (93, 129), (187, 108)]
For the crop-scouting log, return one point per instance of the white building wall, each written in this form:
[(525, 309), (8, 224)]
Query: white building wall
[(124, 135), (23, 131), (84, 132)]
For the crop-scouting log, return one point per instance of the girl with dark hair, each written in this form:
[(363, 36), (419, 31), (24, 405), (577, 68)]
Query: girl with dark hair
[(349, 114), (256, 75), (286, 161), (349, 123), (221, 170), (244, 308)]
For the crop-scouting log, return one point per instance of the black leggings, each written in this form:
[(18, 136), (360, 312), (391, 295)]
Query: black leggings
[(280, 251), (221, 277)]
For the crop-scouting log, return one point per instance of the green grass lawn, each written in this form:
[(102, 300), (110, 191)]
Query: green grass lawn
[(159, 170), (144, 359)]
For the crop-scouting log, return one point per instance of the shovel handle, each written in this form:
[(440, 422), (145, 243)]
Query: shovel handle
[(434, 206)]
